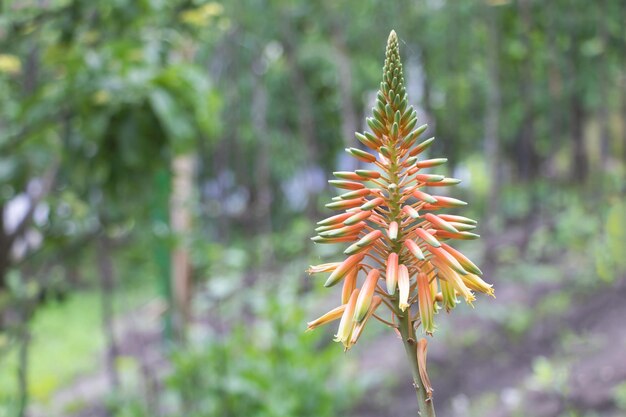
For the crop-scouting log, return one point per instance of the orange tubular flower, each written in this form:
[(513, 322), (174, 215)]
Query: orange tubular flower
[(397, 237)]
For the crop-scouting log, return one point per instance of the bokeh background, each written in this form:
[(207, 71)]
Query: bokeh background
[(163, 164)]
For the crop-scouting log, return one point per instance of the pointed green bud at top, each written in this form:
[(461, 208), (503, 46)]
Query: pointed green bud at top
[(393, 70)]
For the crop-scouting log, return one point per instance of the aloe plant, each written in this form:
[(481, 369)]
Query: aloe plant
[(398, 258)]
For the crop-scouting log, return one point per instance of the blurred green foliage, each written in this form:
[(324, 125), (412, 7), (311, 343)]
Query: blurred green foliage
[(610, 250), (100, 97), (64, 343), (266, 366)]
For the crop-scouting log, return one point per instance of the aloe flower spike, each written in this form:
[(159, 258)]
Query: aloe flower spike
[(397, 233)]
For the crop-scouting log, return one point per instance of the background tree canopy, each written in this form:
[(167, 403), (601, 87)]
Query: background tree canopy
[(162, 164)]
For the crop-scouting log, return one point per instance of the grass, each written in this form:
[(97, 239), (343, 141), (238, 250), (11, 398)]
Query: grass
[(67, 341)]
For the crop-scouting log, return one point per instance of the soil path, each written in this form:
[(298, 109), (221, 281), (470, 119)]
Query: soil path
[(591, 363)]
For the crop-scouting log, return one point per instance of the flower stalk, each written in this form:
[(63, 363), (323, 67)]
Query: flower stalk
[(424, 396), (400, 268)]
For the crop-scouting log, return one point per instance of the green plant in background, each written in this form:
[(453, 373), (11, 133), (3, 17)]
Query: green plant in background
[(262, 368), (610, 260), (396, 239), (619, 396)]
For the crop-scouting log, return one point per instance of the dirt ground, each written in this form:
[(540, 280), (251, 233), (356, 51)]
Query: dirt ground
[(496, 375)]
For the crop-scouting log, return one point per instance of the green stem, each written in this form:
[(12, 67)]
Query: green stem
[(425, 405)]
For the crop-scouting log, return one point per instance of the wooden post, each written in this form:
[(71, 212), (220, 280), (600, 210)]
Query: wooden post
[(180, 220)]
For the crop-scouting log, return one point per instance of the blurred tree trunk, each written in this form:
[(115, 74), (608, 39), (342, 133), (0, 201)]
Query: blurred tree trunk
[(160, 245), (220, 162), (305, 110), (579, 164), (624, 116), (262, 208), (23, 361), (526, 155), (107, 285), (555, 92), (446, 137), (344, 69), (304, 102), (492, 140), (605, 130), (621, 77), (605, 85), (4, 255), (180, 219)]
